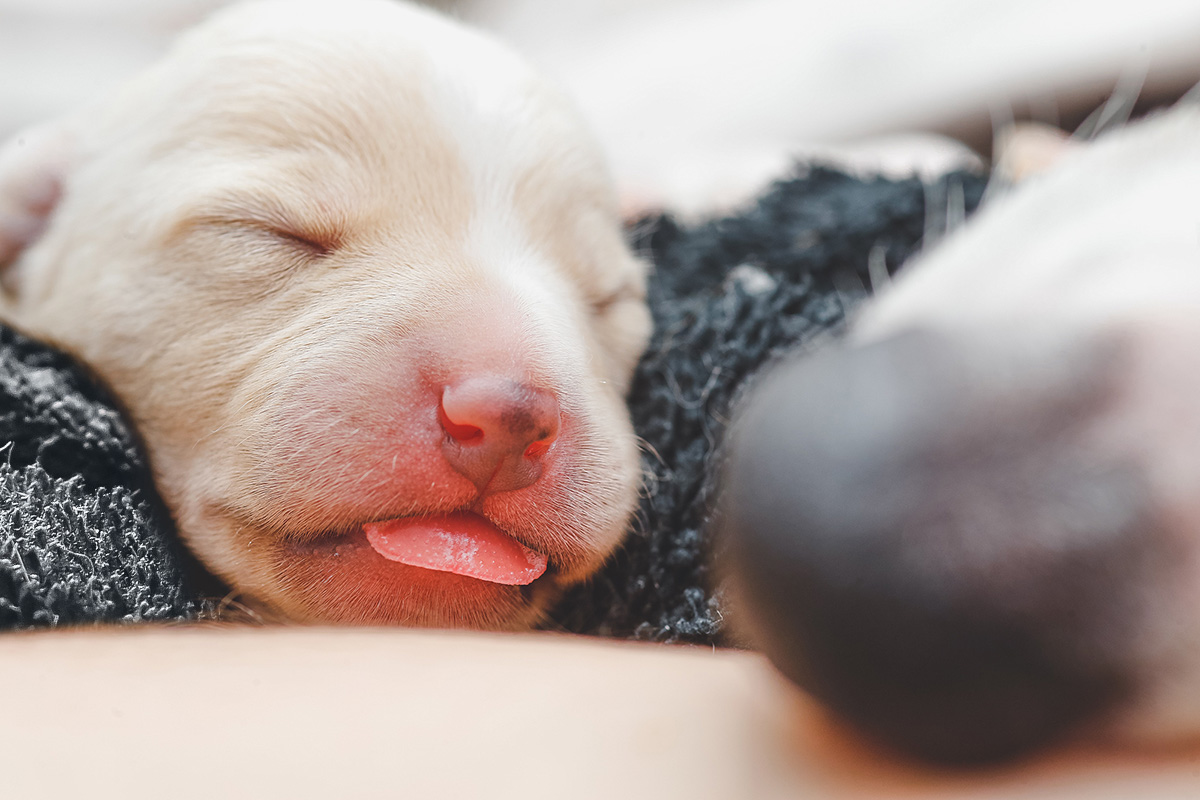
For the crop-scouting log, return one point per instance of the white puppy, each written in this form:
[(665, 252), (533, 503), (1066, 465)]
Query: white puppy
[(992, 487), (1080, 294), (357, 276)]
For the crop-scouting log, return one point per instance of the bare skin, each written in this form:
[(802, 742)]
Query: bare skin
[(322, 713)]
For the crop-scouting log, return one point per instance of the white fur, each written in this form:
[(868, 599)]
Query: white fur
[(1104, 245), (286, 395)]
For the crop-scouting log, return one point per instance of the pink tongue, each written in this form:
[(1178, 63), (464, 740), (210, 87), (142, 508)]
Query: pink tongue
[(460, 543)]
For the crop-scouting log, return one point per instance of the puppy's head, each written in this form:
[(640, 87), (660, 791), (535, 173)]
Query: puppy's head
[(348, 264), (974, 527)]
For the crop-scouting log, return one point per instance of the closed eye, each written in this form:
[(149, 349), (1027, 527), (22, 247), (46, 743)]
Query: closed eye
[(258, 234), (265, 217), (313, 245), (628, 292)]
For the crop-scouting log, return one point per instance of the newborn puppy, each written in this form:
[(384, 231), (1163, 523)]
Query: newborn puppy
[(975, 526), (357, 276)]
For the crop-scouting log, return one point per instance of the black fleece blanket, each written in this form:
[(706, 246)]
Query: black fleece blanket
[(84, 539)]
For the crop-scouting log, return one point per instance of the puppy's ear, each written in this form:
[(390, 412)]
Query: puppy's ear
[(33, 167)]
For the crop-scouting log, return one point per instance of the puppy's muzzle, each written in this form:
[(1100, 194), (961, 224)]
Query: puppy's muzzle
[(931, 537)]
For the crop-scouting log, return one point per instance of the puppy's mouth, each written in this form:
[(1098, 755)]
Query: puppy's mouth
[(439, 567), (461, 543), (446, 569)]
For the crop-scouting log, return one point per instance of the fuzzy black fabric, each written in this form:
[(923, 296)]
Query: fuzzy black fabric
[(728, 296), (83, 539)]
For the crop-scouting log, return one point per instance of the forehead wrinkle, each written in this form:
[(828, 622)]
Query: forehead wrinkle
[(371, 157), (295, 97)]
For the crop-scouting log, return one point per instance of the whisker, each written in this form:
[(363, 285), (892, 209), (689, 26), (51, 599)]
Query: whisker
[(1117, 110), (935, 223), (1191, 96), (956, 206), (1003, 120), (1003, 123), (877, 271), (850, 290)]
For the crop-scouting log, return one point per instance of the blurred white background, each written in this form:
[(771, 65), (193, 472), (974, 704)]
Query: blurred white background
[(54, 54), (696, 97)]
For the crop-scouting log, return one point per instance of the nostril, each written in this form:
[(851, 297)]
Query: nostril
[(461, 432), (952, 579)]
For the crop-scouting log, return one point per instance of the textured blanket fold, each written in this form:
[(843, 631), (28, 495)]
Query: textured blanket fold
[(83, 538)]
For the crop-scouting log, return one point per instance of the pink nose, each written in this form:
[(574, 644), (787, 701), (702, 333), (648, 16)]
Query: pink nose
[(497, 431)]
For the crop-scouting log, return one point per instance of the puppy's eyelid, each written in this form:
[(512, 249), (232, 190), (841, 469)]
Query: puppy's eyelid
[(266, 219), (317, 246), (312, 245), (619, 295)]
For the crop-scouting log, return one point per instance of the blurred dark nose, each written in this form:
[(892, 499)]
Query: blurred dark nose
[(923, 539), (498, 431)]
